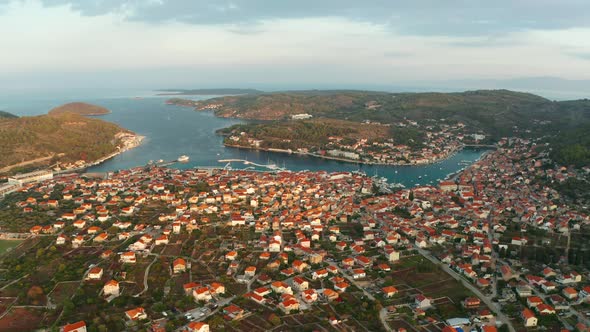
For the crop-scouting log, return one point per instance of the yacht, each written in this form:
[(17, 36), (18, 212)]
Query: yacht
[(183, 159)]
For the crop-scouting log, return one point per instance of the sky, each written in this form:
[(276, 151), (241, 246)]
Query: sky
[(51, 44)]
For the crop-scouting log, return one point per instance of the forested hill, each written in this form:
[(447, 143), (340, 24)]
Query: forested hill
[(497, 112), (6, 115), (79, 108), (77, 137)]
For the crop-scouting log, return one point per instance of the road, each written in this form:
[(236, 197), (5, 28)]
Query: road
[(352, 281), (571, 312), (383, 318), (487, 300), (145, 278)]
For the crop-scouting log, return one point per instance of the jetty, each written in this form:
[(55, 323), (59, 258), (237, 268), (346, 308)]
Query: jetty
[(273, 167)]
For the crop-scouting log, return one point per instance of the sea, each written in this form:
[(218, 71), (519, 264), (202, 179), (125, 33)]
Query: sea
[(172, 131)]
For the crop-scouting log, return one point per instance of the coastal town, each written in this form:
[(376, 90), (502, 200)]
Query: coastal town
[(155, 248), (429, 142)]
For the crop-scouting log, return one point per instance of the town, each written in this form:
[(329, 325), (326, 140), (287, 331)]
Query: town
[(154, 248), (419, 143)]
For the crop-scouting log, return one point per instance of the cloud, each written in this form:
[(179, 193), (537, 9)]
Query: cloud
[(415, 17)]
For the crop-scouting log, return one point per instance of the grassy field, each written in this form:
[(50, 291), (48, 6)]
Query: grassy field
[(6, 245)]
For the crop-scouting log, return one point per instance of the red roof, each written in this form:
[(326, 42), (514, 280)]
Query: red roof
[(74, 326)]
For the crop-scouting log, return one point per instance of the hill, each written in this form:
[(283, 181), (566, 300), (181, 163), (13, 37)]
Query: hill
[(37, 137), (7, 115), (196, 92), (496, 112), (79, 108)]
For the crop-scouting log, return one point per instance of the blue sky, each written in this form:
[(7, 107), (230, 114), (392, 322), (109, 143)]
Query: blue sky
[(304, 43)]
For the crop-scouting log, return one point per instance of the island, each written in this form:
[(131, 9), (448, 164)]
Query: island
[(388, 128), (62, 140), (79, 108)]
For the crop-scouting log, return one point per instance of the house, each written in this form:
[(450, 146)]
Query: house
[(471, 302), (545, 309), (75, 327), (507, 273), (250, 271), (202, 294), (300, 284), (179, 265), (389, 291), (341, 286), (136, 314), (422, 301), (289, 304), (300, 266), (533, 301), (393, 256), (233, 312), (128, 257), (198, 327), (585, 293), (320, 274), (483, 283), (281, 287), (309, 295), (111, 288), (61, 240), (232, 255), (217, 288), (330, 295), (358, 274), (95, 273), (528, 317), (570, 293)]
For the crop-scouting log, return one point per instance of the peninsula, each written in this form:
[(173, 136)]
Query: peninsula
[(64, 139), (388, 128)]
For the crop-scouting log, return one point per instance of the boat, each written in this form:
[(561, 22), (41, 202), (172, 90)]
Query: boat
[(183, 159)]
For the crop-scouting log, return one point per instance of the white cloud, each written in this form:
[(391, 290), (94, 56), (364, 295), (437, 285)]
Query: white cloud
[(315, 50)]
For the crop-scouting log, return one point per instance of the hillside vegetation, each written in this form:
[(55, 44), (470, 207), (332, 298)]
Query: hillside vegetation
[(76, 136), (497, 112), (304, 134), (7, 115), (79, 108)]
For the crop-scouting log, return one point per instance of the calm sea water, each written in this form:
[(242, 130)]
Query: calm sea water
[(172, 131)]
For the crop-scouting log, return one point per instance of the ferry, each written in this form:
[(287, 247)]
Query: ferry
[(183, 159)]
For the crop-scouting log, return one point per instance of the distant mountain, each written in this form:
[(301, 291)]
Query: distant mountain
[(7, 115), (79, 108), (196, 92)]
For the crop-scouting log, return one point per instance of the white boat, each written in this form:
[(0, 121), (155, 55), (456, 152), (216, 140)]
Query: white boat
[(183, 159)]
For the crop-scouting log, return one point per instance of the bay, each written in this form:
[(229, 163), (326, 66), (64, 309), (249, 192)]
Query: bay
[(172, 131)]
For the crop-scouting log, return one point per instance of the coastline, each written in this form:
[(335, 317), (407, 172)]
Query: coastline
[(351, 161), (133, 141)]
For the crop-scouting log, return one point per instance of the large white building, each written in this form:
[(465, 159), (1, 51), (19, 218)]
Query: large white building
[(37, 176)]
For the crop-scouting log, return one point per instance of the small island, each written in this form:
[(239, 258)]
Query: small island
[(80, 108)]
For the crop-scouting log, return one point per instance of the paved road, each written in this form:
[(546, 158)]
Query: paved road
[(352, 281), (145, 278), (383, 318), (487, 300), (571, 312)]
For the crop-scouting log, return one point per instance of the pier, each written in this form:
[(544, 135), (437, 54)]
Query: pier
[(246, 162)]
